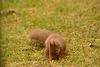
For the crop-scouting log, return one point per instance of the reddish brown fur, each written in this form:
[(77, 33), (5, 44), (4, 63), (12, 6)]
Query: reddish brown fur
[(39, 35), (54, 44), (55, 47)]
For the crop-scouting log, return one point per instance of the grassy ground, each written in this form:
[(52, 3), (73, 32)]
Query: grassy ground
[(78, 21)]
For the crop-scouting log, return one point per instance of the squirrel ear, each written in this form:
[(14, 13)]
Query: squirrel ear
[(54, 44), (50, 45)]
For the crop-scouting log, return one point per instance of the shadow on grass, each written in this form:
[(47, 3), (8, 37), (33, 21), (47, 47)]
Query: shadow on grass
[(35, 45)]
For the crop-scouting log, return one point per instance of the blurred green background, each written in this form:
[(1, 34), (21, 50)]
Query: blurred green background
[(78, 21)]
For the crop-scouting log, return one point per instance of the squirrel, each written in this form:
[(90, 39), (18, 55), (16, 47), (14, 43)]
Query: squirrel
[(55, 44)]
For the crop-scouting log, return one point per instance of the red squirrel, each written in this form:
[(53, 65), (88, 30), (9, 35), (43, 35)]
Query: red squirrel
[(55, 44)]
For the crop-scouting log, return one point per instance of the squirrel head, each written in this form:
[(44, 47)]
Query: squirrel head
[(54, 48)]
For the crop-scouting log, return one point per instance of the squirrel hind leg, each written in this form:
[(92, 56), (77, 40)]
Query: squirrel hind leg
[(66, 54)]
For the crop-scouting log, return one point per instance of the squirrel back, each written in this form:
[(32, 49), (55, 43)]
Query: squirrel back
[(40, 35)]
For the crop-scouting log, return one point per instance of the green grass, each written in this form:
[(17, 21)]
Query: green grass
[(78, 21)]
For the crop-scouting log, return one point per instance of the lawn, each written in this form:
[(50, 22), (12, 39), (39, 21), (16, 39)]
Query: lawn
[(78, 21)]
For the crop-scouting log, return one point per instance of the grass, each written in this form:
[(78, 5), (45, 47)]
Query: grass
[(78, 21)]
